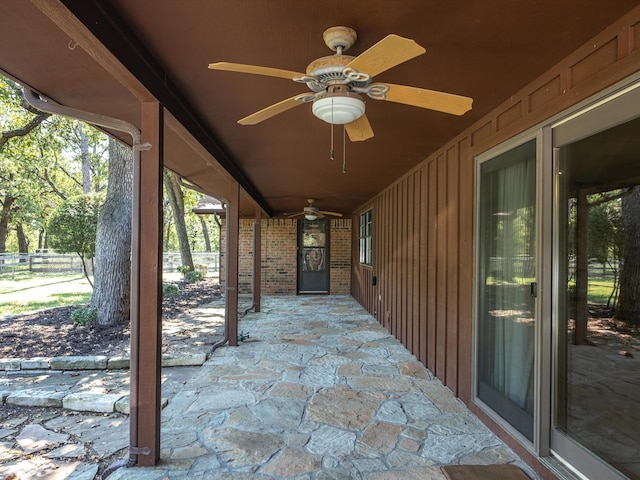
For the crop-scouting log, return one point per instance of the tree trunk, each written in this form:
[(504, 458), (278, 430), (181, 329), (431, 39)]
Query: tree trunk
[(23, 242), (582, 269), (629, 301), (5, 217), (167, 235), (86, 165), (205, 233), (176, 200), (41, 235), (112, 274)]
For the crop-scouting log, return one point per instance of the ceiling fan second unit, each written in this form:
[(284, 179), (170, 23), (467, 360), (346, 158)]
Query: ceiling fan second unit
[(311, 212), (338, 83)]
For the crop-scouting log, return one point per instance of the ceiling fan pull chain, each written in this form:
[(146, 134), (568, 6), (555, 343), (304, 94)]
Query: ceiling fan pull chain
[(332, 153), (344, 149)]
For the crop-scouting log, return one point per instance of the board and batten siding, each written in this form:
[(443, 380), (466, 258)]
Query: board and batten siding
[(418, 245), (423, 222)]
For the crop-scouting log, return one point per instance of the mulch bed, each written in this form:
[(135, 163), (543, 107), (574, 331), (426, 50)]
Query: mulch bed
[(51, 332)]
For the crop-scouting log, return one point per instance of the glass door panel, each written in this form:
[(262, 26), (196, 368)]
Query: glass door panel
[(313, 245), (507, 286), (596, 424)]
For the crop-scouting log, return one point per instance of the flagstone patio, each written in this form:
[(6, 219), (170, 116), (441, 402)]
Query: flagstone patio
[(319, 390)]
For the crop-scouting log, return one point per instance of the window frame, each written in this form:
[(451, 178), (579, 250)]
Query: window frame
[(365, 238)]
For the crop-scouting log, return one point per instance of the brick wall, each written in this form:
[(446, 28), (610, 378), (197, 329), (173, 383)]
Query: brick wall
[(279, 256), (340, 261)]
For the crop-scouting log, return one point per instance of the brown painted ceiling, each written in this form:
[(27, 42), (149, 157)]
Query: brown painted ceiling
[(486, 50)]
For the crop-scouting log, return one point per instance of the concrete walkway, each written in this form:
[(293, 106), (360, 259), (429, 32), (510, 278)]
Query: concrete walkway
[(319, 391)]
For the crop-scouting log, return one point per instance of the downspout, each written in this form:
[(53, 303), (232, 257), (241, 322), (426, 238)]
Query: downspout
[(49, 106), (225, 337)]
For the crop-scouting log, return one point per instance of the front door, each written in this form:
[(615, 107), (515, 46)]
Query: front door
[(313, 256)]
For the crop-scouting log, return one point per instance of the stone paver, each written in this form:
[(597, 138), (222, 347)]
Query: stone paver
[(34, 438), (319, 391)]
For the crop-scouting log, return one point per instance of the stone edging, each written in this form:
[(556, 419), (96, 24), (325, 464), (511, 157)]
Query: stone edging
[(94, 362), (80, 401)]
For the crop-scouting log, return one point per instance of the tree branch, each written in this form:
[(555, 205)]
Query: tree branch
[(21, 132), (52, 185)]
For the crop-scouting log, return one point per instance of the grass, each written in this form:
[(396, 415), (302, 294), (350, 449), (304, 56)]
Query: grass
[(28, 292), (600, 290)]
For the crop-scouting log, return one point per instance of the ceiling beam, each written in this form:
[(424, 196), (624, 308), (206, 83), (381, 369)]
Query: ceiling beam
[(109, 28)]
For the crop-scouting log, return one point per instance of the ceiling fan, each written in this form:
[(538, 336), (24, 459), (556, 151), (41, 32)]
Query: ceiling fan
[(338, 82), (313, 213)]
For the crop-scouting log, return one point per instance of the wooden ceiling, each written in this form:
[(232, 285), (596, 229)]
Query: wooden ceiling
[(105, 56)]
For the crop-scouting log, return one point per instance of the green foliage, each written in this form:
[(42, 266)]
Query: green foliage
[(169, 290), (193, 225), (72, 226), (191, 276), (84, 316), (184, 268), (605, 228), (41, 169)]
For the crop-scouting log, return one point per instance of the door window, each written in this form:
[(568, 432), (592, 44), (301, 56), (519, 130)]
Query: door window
[(506, 286), (596, 417)]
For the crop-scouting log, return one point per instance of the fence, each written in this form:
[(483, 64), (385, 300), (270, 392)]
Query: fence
[(211, 260), (49, 262), (39, 263)]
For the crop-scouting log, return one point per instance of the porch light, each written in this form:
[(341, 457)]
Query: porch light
[(338, 107)]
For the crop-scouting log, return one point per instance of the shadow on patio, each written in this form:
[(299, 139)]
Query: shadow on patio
[(319, 391)]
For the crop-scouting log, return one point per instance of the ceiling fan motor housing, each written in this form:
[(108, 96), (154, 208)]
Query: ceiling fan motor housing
[(310, 210), (337, 104)]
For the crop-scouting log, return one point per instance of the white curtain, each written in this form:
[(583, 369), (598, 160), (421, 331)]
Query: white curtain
[(506, 328)]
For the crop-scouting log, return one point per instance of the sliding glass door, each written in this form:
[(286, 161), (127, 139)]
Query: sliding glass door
[(560, 371), (506, 286), (596, 414)]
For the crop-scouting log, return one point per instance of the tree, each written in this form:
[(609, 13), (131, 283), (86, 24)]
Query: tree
[(72, 228), (40, 166), (18, 120), (205, 234), (176, 201), (629, 302), (111, 295)]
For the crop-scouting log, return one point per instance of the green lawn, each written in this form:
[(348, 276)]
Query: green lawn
[(600, 290), (28, 292)]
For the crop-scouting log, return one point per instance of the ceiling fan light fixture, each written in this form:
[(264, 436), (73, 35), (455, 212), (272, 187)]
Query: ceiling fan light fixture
[(311, 216), (338, 107)]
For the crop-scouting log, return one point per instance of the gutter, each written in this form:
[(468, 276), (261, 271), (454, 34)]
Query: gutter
[(49, 106)]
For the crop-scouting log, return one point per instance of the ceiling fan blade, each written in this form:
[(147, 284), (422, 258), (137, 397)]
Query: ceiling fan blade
[(255, 70), (333, 214), (359, 129), (392, 50), (295, 214), (271, 111), (431, 99)]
